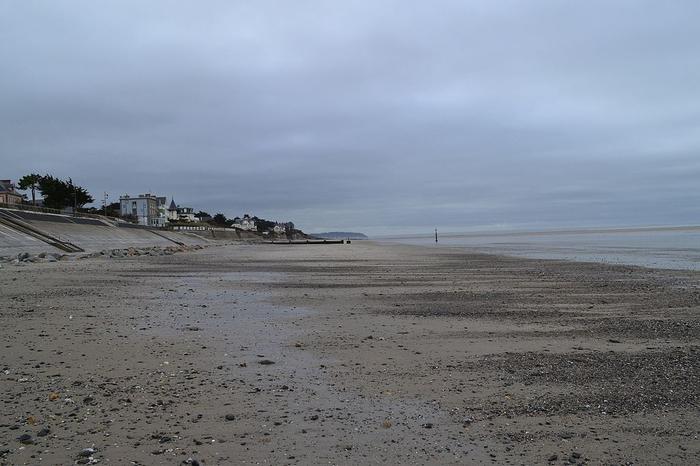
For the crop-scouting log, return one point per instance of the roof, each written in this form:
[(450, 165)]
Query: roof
[(173, 206), (6, 187)]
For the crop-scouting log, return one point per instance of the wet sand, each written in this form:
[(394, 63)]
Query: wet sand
[(348, 354)]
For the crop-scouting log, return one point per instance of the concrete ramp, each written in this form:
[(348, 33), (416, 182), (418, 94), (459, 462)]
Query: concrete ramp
[(13, 242), (11, 220), (33, 232)]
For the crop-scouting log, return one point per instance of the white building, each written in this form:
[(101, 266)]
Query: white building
[(186, 214), (144, 208), (162, 218), (172, 211), (176, 213), (280, 228), (246, 223)]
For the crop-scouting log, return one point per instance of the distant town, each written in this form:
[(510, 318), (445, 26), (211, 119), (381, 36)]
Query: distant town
[(47, 193)]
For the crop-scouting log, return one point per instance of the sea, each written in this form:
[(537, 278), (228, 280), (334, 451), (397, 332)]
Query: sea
[(656, 247)]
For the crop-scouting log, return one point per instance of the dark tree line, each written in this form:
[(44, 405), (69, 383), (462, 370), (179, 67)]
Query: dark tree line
[(55, 192)]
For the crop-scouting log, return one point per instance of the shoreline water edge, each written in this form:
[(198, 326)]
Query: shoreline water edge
[(348, 354), (670, 247)]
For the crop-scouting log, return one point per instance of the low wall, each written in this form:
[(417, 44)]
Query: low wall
[(88, 234)]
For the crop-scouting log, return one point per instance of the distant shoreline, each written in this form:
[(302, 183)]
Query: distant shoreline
[(569, 231)]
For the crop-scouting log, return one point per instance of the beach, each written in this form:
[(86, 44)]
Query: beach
[(363, 353)]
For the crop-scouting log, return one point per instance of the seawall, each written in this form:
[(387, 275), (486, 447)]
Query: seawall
[(32, 232)]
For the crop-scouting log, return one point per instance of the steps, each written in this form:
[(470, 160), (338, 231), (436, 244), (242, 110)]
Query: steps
[(13, 221)]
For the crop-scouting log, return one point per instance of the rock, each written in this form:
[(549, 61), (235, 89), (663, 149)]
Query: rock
[(25, 439), (386, 424), (266, 362), (230, 417), (427, 425), (314, 417), (553, 457), (191, 461), (87, 452), (43, 432)]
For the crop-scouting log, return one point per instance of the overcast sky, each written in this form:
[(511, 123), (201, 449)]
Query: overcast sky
[(374, 116)]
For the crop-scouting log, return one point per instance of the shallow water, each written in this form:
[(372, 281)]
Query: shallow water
[(669, 248)]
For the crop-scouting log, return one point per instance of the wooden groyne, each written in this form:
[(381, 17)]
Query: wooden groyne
[(312, 241)]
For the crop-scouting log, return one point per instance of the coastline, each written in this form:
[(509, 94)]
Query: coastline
[(673, 248), (386, 353)]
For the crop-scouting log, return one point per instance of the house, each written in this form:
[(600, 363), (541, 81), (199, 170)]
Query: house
[(176, 213), (8, 195), (162, 218), (144, 208), (246, 223), (186, 214), (172, 211), (280, 228)]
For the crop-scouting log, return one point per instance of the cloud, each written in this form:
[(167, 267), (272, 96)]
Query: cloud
[(383, 116)]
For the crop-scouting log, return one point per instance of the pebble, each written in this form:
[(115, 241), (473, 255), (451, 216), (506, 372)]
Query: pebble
[(85, 452), (25, 439)]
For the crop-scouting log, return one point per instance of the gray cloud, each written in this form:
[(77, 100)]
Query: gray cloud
[(375, 116)]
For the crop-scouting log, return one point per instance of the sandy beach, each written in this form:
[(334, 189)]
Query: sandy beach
[(347, 354)]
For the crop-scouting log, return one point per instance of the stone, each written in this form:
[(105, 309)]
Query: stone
[(25, 439), (87, 452), (230, 417)]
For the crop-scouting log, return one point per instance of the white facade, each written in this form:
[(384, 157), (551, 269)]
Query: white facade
[(143, 207), (246, 223), (186, 214), (176, 213), (279, 228)]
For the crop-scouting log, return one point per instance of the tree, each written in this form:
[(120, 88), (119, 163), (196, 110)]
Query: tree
[(114, 209), (59, 194), (219, 219), (263, 225), (79, 194), (30, 181)]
